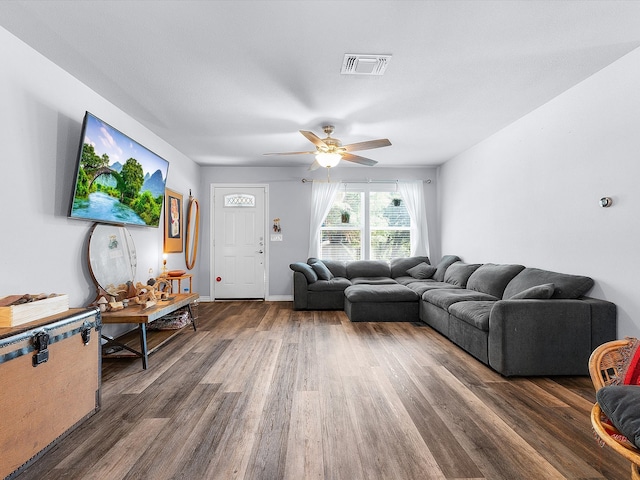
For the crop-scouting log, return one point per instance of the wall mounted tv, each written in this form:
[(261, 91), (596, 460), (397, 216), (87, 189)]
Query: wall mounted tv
[(117, 180)]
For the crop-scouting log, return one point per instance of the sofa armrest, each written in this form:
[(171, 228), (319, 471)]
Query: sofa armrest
[(300, 287), (604, 321), (540, 337)]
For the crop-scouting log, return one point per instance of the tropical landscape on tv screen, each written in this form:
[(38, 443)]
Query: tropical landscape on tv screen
[(118, 180)]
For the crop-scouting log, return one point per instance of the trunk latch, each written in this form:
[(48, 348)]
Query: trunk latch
[(41, 344)]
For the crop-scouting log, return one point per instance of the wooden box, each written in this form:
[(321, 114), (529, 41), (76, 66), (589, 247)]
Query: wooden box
[(15, 315), (49, 383)]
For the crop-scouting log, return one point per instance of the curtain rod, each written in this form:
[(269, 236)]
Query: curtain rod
[(308, 180)]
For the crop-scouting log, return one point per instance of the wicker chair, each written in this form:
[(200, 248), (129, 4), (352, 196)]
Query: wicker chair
[(603, 370)]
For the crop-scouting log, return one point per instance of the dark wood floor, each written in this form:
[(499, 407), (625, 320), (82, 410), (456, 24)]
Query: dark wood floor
[(263, 392)]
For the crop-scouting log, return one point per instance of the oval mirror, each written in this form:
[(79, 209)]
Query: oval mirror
[(191, 241), (112, 258)]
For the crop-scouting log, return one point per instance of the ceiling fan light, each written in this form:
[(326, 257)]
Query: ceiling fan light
[(328, 160)]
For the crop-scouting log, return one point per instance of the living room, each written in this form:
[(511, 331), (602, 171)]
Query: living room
[(529, 193), (543, 213)]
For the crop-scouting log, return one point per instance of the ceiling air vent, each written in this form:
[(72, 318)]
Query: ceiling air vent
[(358, 64)]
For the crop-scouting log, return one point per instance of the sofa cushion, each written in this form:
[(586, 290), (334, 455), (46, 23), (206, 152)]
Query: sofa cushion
[(336, 284), (422, 271), (380, 294), (442, 266), (368, 268), (421, 286), (322, 270), (492, 279), (566, 286), (304, 269), (337, 267), (373, 281), (407, 280), (475, 313), (400, 266), (621, 405), (459, 272), (445, 297), (539, 292)]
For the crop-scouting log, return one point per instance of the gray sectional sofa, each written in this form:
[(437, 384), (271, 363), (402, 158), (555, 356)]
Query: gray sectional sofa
[(518, 320)]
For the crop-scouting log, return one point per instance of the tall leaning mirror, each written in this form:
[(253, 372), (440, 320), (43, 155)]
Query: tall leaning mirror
[(112, 260), (193, 224)]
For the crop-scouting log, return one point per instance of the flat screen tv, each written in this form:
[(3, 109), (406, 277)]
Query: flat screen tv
[(117, 181)]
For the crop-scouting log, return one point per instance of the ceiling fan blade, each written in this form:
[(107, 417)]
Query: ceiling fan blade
[(350, 157), (313, 138), (314, 166), (288, 153), (382, 142)]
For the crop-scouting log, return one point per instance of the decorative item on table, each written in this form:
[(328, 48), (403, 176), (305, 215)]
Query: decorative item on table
[(176, 273), (120, 292), (114, 306), (20, 299), (116, 298), (103, 304), (19, 309), (162, 286), (148, 295), (164, 263)]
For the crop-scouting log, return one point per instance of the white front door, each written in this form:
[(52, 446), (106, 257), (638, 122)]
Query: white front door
[(239, 242)]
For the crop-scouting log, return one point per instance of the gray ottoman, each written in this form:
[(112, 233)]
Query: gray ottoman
[(381, 303)]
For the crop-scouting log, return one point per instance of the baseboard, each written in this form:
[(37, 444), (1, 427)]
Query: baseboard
[(270, 298), (280, 298)]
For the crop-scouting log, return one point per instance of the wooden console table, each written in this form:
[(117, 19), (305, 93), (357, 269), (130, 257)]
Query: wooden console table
[(137, 314)]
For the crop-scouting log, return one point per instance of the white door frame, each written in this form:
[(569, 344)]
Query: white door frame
[(267, 225)]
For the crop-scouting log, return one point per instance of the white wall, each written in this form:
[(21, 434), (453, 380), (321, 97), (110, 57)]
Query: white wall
[(530, 194), (41, 112), (290, 200)]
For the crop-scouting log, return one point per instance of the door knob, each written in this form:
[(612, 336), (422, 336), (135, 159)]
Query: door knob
[(260, 251)]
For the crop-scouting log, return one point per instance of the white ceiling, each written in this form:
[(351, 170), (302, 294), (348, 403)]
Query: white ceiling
[(225, 81)]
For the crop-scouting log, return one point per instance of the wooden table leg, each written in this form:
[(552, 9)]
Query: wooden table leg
[(193, 319), (143, 345)]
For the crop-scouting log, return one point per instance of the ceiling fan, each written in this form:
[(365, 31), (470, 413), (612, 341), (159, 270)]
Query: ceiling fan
[(329, 151)]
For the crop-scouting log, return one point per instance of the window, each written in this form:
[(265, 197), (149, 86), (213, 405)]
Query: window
[(390, 226), (343, 228), (366, 224)]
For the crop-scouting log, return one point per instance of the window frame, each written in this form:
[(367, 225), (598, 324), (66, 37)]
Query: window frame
[(365, 228)]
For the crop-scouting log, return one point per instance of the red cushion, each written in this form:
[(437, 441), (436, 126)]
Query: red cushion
[(629, 368)]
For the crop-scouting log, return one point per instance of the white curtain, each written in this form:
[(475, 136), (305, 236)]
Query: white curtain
[(413, 195), (322, 195)]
